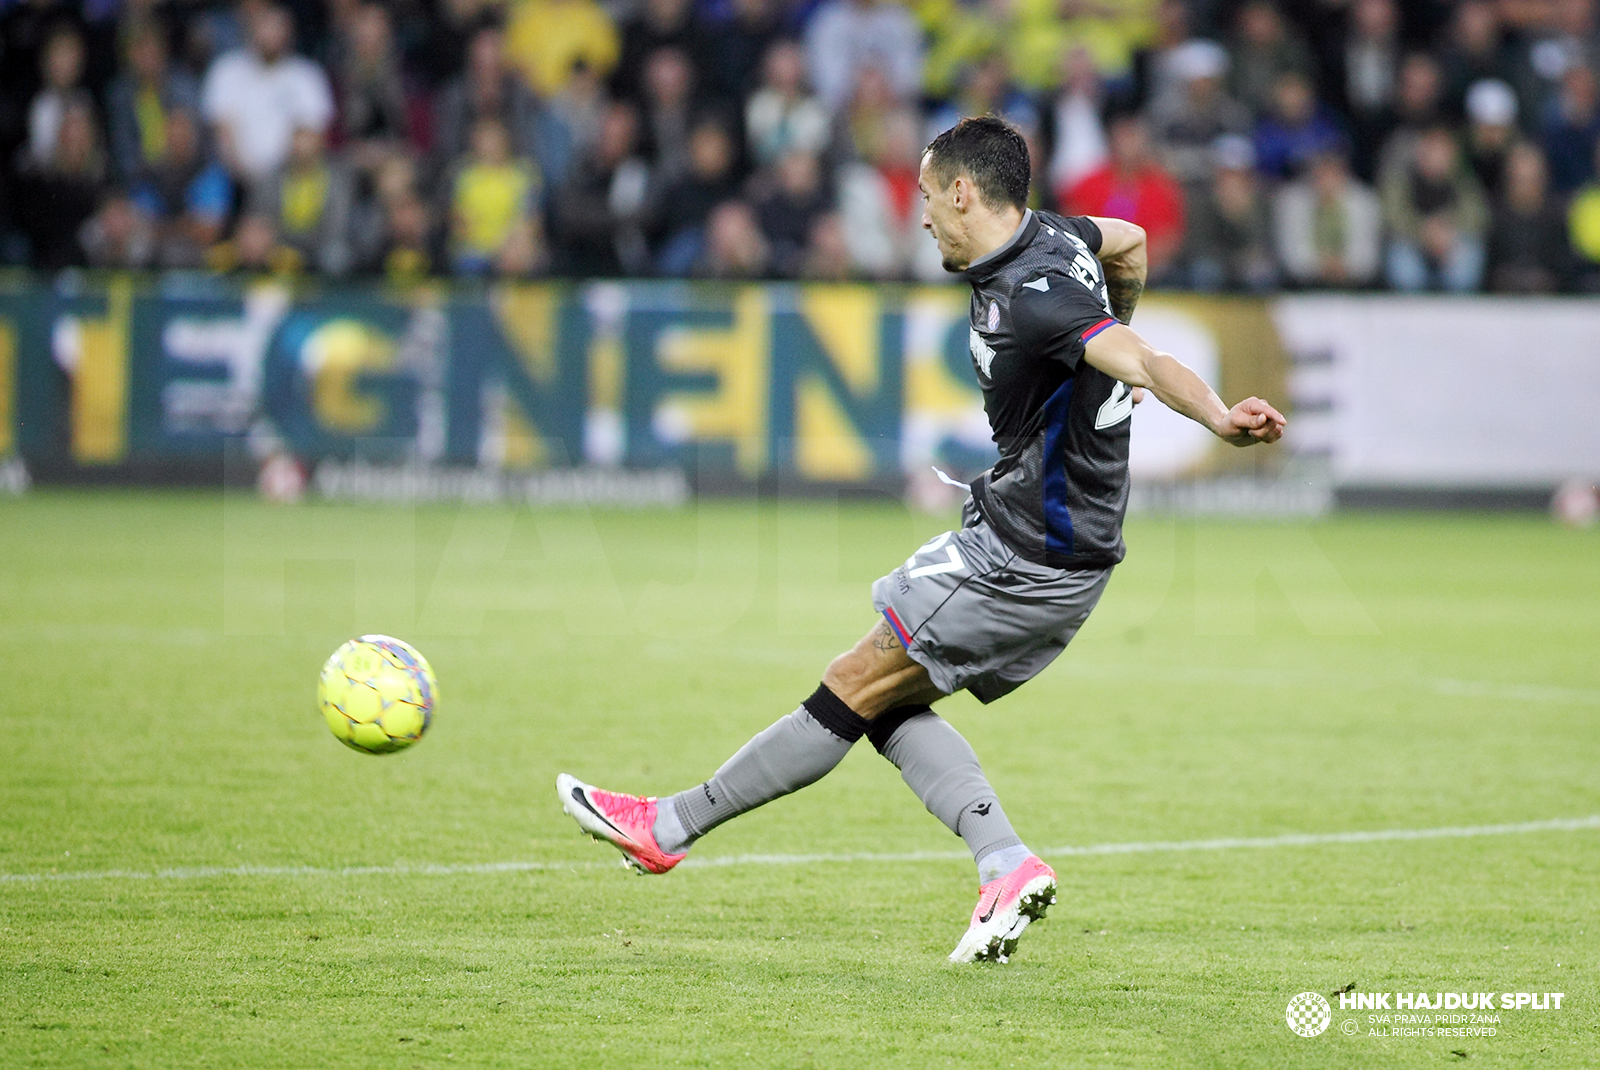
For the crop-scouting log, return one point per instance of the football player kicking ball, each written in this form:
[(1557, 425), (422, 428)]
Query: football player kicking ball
[(987, 607)]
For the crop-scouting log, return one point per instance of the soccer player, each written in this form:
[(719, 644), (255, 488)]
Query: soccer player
[(987, 607)]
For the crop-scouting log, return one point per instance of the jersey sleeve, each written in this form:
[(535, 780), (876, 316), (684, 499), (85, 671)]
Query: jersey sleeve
[(1086, 229), (1053, 316)]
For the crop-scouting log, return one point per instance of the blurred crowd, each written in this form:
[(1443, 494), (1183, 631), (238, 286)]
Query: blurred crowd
[(1445, 145)]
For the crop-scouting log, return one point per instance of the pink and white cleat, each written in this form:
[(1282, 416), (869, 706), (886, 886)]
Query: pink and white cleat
[(624, 821), (1005, 908)]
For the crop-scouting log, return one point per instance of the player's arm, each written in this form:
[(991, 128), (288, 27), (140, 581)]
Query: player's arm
[(1126, 262), (1122, 354)]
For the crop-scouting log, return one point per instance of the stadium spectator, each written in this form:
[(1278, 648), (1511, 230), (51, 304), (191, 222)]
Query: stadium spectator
[(1583, 232), (1297, 129), (1370, 62), (1078, 135), (1188, 122), (827, 253), (1132, 185), (732, 52), (61, 67), (487, 89), (544, 38), (795, 199), (1264, 49), (782, 115), (686, 203), (1571, 128), (375, 117), (56, 197), (1475, 51), (1418, 105), (881, 208), (406, 247), (187, 194), (599, 209), (1436, 216), (846, 37), (577, 111), (254, 249), (1155, 78), (859, 129), (1113, 35), (1558, 37), (668, 113), (141, 98), (1528, 232), (654, 25), (256, 97), (986, 89), (1328, 227), (734, 247), (118, 235), (957, 36), (309, 200), (437, 50), (1228, 244), (1491, 108), (494, 207)]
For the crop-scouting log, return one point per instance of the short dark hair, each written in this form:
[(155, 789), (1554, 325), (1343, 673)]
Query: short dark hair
[(988, 150)]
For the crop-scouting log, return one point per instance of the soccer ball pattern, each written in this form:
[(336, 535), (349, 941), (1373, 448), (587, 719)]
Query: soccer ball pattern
[(377, 694)]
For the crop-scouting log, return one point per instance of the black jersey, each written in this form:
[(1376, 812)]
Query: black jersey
[(1059, 491)]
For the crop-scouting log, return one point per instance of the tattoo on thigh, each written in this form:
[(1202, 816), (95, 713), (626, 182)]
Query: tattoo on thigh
[(883, 637)]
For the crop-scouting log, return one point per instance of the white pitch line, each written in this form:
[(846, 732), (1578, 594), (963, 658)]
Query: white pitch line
[(1293, 839)]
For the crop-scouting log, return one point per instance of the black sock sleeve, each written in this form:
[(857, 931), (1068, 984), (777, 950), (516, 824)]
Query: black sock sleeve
[(882, 727), (831, 713)]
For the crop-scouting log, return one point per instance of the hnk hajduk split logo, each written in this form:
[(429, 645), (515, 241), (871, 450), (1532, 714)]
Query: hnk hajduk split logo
[(1308, 1014)]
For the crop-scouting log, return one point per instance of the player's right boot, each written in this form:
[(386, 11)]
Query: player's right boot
[(624, 821), (1006, 907)]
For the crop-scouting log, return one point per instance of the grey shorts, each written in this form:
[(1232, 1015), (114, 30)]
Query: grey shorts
[(979, 617)]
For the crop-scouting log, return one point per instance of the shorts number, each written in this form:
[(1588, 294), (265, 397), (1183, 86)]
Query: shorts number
[(952, 562)]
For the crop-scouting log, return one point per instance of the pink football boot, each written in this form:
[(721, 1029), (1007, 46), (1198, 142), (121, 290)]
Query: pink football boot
[(624, 821), (1005, 908)]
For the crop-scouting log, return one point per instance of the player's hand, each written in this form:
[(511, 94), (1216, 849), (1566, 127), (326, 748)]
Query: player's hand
[(1138, 394), (1252, 421)]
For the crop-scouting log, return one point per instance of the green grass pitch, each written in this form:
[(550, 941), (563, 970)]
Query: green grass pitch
[(247, 892)]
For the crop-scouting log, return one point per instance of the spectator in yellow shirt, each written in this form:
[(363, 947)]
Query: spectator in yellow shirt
[(495, 227), (546, 37)]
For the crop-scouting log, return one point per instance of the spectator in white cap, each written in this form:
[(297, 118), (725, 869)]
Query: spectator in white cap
[(1186, 123), (1491, 107)]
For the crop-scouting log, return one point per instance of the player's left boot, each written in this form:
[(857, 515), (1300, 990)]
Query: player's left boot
[(624, 821), (1006, 907)]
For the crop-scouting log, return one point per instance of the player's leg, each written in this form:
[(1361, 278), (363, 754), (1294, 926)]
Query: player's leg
[(796, 750), (978, 618)]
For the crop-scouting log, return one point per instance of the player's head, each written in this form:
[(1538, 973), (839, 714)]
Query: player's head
[(973, 175)]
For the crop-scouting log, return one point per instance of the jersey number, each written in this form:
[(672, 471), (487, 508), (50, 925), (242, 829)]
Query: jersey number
[(1118, 407)]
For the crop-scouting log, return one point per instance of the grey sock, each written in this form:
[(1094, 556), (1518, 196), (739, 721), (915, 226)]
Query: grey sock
[(940, 766), (996, 864), (792, 752)]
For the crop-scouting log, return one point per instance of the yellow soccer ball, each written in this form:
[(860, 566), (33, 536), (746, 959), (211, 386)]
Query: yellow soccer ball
[(377, 694)]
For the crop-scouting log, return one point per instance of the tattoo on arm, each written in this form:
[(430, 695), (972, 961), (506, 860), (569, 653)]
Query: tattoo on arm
[(883, 637), (1124, 291)]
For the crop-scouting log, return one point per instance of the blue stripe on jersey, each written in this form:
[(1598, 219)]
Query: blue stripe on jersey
[(1057, 521)]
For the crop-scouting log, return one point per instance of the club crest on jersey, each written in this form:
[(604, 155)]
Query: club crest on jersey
[(982, 352), (994, 316)]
